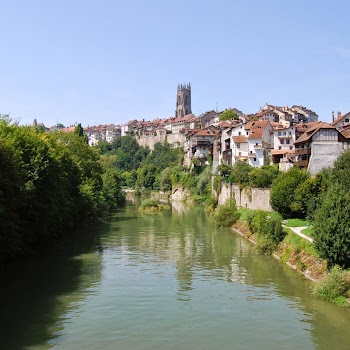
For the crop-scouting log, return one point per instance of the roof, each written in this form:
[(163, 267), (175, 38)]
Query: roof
[(282, 151), (70, 129), (341, 118), (312, 131), (346, 133), (239, 139), (302, 127), (255, 124), (205, 133)]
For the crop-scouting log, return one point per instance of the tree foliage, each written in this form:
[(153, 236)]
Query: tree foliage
[(240, 173), (48, 182), (332, 228), (264, 176), (229, 114), (283, 191)]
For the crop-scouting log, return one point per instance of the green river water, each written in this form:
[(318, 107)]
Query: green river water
[(167, 281)]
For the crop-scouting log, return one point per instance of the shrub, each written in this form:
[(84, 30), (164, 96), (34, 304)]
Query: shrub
[(152, 206), (211, 204), (334, 287), (149, 203), (283, 191), (227, 214), (264, 224)]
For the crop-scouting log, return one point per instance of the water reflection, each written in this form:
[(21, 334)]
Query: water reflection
[(36, 292), (164, 281)]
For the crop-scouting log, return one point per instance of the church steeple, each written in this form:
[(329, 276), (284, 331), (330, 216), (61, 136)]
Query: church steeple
[(183, 100)]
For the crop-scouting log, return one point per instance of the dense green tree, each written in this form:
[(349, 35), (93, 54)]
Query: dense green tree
[(283, 191), (10, 198), (80, 132), (130, 178), (229, 114), (240, 173), (165, 179), (341, 170), (224, 170), (264, 176), (164, 156), (48, 182), (331, 225), (146, 176)]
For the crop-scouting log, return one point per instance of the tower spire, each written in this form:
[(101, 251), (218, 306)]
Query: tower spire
[(183, 100)]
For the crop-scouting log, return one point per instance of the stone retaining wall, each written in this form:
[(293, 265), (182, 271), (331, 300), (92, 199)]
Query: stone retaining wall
[(251, 198)]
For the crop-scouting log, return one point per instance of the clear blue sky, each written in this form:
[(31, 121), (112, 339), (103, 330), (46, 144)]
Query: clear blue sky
[(109, 61)]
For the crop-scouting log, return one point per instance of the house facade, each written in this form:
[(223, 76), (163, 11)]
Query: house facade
[(319, 147)]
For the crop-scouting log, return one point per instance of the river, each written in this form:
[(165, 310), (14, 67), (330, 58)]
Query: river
[(167, 281)]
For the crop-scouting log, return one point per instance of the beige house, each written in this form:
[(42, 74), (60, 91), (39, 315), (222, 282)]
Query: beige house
[(319, 147)]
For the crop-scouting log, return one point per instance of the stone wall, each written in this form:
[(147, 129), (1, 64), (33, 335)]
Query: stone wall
[(175, 140), (324, 154), (251, 198), (180, 194)]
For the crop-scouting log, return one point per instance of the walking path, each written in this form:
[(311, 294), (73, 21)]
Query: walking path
[(298, 230)]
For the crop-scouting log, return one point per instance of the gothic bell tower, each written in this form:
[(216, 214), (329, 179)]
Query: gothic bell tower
[(183, 100)]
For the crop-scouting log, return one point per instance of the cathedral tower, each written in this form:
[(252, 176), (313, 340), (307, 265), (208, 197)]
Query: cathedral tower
[(183, 100)]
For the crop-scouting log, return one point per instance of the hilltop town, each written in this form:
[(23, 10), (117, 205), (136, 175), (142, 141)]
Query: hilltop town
[(273, 135)]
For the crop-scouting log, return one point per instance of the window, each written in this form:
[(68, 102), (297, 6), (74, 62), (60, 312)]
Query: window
[(254, 159), (289, 133), (279, 147), (282, 142), (238, 145), (239, 133), (346, 120), (279, 133), (239, 153), (284, 133), (290, 147), (287, 141), (247, 133)]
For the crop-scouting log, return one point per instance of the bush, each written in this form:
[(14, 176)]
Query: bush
[(227, 214), (334, 287), (267, 225), (152, 206), (211, 204), (283, 191), (150, 203)]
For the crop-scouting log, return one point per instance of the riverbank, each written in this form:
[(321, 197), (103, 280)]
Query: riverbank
[(293, 252)]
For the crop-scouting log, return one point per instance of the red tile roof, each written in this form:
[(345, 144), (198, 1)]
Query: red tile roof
[(312, 131), (239, 139), (340, 118)]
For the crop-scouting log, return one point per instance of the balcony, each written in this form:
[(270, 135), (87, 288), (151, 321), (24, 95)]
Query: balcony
[(258, 146), (227, 155), (303, 163), (252, 154), (200, 142), (302, 151)]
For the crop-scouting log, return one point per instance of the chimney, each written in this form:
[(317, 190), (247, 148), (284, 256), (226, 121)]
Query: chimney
[(332, 116), (339, 114)]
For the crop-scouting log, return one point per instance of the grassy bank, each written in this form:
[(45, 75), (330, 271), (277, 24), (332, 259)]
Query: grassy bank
[(296, 252)]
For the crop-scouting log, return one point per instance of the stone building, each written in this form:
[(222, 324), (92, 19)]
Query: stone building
[(183, 100)]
